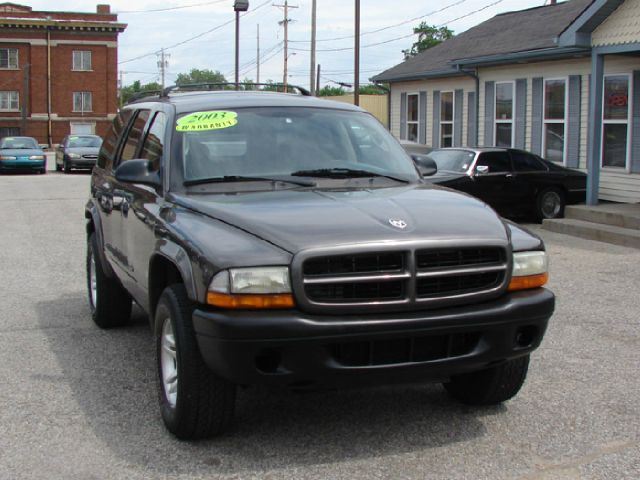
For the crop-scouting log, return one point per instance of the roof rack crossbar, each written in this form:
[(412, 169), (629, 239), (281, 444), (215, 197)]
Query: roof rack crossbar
[(232, 86), (144, 93)]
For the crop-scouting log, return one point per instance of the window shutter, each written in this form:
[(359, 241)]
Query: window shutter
[(403, 116), (472, 126), (572, 134), (489, 115), (521, 112), (435, 143), (537, 95), (635, 124), (457, 118), (422, 118)]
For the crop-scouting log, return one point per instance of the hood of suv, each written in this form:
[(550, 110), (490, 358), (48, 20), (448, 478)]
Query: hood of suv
[(311, 218)]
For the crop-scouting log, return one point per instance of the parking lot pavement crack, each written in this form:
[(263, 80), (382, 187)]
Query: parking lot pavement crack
[(547, 471)]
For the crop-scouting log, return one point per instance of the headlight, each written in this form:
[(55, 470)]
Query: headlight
[(251, 288), (37, 157), (530, 270), (73, 155), (7, 157)]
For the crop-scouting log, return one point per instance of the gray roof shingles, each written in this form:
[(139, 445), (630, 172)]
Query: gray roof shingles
[(525, 30)]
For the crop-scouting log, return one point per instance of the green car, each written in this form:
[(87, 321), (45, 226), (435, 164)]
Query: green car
[(22, 153)]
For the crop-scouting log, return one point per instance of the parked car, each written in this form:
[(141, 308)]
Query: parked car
[(266, 254), (415, 148), (22, 153), (77, 152), (514, 182)]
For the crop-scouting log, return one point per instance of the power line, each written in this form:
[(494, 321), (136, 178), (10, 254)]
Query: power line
[(264, 60), (122, 12), (217, 27), (341, 49), (348, 37), (245, 67)]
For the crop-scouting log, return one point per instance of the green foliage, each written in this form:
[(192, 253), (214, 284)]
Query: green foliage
[(329, 91), (428, 36), (137, 87), (200, 76), (371, 89)]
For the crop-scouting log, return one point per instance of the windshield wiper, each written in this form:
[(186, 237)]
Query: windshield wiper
[(344, 173), (242, 178)]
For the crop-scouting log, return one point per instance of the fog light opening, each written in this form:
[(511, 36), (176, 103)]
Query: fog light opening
[(525, 336), (269, 361)]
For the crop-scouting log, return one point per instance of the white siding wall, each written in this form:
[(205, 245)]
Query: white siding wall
[(622, 26)]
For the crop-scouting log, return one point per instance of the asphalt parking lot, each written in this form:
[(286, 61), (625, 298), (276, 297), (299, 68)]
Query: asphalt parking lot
[(80, 403)]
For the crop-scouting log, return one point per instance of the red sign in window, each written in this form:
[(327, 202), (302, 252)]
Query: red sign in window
[(619, 100)]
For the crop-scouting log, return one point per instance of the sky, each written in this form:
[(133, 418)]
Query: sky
[(386, 28)]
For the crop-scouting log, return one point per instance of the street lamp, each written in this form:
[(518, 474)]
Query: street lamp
[(239, 6)]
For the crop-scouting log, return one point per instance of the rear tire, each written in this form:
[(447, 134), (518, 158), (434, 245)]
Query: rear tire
[(491, 386), (109, 302), (194, 402), (550, 203)]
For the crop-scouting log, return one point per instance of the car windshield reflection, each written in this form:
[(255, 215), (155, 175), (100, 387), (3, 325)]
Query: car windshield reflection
[(457, 161)]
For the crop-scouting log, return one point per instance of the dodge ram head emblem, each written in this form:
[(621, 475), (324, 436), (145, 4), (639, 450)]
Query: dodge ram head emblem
[(400, 224)]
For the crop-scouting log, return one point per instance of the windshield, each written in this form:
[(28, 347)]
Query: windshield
[(22, 143), (287, 143), (457, 161), (84, 142)]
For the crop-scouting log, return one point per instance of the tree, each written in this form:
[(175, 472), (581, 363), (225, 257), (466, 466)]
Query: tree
[(200, 76), (428, 36), (127, 92), (329, 91), (372, 89)]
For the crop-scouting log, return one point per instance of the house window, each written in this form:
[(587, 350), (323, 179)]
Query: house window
[(555, 110), (615, 121), (413, 103), (82, 60), (9, 58), (504, 115), (446, 119), (9, 101), (82, 102)]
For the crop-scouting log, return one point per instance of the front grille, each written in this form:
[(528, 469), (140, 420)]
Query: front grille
[(403, 350), (412, 277), (90, 157)]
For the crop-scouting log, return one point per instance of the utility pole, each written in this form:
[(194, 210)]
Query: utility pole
[(120, 85), (285, 24), (258, 58), (318, 82), (312, 69), (163, 64), (356, 80)]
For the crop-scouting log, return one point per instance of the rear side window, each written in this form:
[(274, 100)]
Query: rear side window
[(110, 144), (525, 162), (134, 136), (154, 141), (496, 161)]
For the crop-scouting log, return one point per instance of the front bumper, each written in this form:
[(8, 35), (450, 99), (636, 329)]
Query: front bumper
[(291, 348), (81, 163), (22, 164)]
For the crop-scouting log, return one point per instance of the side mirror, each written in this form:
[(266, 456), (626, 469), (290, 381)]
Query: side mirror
[(482, 170), (425, 164), (138, 171)]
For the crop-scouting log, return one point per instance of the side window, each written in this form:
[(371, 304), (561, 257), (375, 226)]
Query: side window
[(110, 144), (134, 136), (496, 161), (525, 162), (154, 141)]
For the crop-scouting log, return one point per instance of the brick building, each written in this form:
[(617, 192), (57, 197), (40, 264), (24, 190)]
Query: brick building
[(58, 72)]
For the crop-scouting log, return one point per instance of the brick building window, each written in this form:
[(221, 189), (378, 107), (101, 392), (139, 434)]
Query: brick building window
[(9, 58), (82, 60), (9, 101), (82, 102)]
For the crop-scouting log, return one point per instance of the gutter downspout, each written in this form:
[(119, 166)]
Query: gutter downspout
[(49, 128), (474, 75), (388, 90)]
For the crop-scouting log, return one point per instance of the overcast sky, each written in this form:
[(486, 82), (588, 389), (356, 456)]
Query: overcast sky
[(149, 31)]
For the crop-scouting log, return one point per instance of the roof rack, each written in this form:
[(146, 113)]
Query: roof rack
[(143, 94), (216, 86)]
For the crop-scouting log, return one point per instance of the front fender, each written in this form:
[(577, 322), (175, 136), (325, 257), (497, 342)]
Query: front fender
[(94, 224)]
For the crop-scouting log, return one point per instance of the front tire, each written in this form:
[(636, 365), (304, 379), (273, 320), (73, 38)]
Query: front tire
[(109, 302), (491, 386), (66, 167), (194, 402), (550, 203)]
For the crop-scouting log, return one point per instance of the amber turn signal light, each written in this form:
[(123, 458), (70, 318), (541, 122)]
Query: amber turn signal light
[(250, 302), (528, 281)]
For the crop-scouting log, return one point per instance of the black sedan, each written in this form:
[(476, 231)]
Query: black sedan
[(78, 151), (513, 182)]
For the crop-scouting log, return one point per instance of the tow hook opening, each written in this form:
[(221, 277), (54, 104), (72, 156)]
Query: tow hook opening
[(526, 336)]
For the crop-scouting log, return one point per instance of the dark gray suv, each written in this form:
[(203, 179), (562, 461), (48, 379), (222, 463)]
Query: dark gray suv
[(284, 240)]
